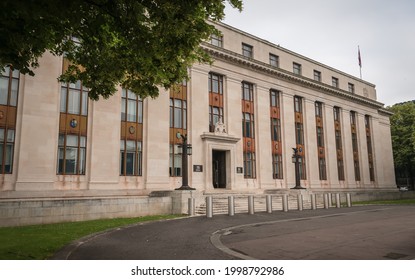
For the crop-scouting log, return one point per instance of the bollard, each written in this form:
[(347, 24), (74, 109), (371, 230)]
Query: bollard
[(338, 200), (285, 203), (191, 206), (313, 202), (231, 205), (251, 208), (329, 199), (300, 202), (209, 207), (269, 203), (349, 200), (326, 200)]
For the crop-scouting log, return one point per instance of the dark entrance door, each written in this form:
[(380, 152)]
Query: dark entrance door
[(219, 169)]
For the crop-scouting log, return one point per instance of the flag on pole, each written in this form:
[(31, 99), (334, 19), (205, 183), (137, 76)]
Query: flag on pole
[(360, 61)]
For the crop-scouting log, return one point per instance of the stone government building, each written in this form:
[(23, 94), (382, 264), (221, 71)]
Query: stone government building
[(64, 157)]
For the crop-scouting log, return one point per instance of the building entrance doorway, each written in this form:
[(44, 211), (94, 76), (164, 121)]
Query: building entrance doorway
[(219, 169)]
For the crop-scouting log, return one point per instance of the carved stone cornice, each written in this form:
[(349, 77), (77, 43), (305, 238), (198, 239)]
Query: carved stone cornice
[(261, 67), (385, 112), (219, 137)]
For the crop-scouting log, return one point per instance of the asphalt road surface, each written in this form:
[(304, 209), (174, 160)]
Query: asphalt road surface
[(357, 233)]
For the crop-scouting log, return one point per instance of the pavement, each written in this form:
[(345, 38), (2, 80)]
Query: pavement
[(356, 233)]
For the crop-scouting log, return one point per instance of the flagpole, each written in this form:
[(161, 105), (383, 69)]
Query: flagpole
[(360, 61)]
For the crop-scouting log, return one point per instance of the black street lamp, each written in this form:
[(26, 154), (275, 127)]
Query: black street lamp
[(186, 150), (296, 159)]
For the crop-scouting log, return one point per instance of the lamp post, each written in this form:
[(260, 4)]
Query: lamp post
[(186, 150), (296, 160)]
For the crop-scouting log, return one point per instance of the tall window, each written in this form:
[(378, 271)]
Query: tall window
[(178, 123), (299, 135), (351, 88), (248, 130), (355, 145), (335, 82), (320, 141), (369, 148), (131, 134), (298, 105), (247, 50), (317, 76), (273, 60), (215, 100), (72, 129), (9, 89), (296, 68), (339, 146), (216, 40), (276, 134)]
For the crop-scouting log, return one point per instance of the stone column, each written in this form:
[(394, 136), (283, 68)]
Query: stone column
[(36, 135)]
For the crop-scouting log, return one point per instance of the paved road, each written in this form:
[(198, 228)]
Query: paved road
[(365, 232)]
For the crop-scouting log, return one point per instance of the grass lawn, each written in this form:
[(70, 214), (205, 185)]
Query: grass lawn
[(40, 242)]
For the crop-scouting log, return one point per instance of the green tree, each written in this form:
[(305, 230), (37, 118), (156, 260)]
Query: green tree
[(403, 139), (140, 44)]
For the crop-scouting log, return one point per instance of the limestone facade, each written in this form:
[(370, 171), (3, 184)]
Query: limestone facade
[(237, 156)]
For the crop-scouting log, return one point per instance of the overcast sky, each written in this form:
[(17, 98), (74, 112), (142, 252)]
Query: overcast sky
[(329, 31)]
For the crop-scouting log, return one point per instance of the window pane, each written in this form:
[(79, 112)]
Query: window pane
[(247, 129), (177, 165), (130, 163), (71, 159), (4, 86), (84, 103), (131, 95), (60, 160), (131, 145), (140, 112), (73, 102), (14, 92), (132, 111), (15, 74), (71, 141), (123, 112), (275, 129), (171, 116), (139, 164), (8, 158), (177, 118), (1, 155), (63, 100), (184, 116), (10, 135), (121, 162), (1, 134), (82, 161), (6, 71), (82, 141), (215, 119), (76, 85)]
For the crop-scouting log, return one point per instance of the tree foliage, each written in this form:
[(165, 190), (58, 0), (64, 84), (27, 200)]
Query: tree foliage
[(403, 136), (140, 44)]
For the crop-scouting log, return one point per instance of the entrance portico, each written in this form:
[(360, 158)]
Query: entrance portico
[(220, 160)]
